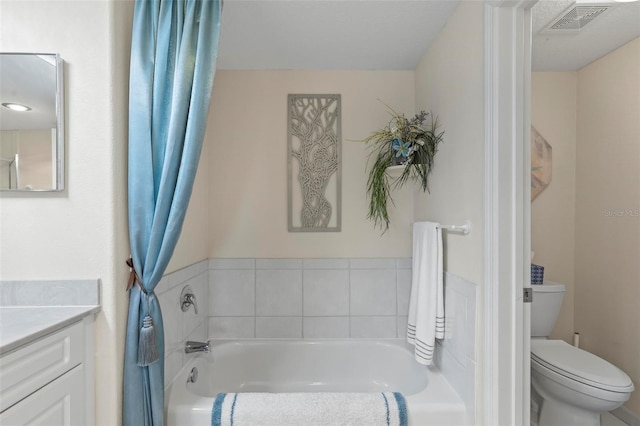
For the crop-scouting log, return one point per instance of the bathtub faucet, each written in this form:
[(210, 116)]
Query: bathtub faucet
[(191, 347)]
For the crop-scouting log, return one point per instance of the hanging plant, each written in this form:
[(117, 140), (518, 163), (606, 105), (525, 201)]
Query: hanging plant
[(403, 142)]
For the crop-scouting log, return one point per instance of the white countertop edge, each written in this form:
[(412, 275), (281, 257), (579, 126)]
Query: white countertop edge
[(21, 325)]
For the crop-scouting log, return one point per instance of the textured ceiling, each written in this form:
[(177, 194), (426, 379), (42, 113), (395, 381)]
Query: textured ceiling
[(391, 34), (326, 34), (570, 52)]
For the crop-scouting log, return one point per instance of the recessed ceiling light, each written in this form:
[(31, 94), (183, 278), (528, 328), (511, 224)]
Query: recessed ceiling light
[(16, 107)]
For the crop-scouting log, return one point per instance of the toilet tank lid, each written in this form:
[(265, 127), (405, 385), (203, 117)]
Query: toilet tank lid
[(548, 287)]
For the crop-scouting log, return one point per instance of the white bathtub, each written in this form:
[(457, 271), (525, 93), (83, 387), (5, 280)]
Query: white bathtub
[(313, 366)]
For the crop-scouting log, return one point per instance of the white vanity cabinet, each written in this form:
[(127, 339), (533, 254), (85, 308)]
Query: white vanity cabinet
[(49, 381)]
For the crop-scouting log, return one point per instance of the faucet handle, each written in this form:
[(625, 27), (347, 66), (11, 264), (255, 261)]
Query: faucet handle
[(188, 298)]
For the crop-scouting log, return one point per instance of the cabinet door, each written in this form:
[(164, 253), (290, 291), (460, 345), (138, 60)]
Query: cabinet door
[(60, 403), (31, 367)]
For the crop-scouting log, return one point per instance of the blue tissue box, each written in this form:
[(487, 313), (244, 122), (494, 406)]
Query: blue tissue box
[(537, 274)]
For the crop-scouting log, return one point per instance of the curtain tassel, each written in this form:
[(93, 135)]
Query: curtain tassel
[(147, 348)]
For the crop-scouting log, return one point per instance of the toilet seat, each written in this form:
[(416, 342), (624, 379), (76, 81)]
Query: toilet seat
[(580, 366)]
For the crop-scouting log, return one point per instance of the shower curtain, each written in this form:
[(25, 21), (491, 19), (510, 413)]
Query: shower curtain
[(173, 55)]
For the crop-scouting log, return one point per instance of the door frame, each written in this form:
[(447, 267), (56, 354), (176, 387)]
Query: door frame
[(505, 377)]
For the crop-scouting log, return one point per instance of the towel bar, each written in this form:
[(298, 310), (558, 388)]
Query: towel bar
[(465, 229)]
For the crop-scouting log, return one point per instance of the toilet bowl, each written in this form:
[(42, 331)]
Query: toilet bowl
[(576, 386), (572, 387)]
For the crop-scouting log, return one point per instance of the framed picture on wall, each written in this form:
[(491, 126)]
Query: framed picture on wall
[(541, 163)]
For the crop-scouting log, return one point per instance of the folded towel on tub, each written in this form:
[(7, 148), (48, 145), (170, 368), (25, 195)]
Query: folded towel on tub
[(309, 409)]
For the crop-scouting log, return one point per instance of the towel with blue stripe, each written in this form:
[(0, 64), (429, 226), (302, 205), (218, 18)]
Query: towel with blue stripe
[(309, 409)]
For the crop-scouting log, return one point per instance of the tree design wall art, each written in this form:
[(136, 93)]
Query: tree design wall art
[(314, 163)]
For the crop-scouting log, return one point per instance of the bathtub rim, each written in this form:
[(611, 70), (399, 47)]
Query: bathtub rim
[(438, 395)]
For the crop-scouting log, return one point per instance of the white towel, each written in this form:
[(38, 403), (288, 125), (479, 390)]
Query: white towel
[(426, 304), (309, 409)]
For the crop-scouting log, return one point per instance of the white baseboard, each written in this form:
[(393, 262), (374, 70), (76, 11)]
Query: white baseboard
[(627, 416)]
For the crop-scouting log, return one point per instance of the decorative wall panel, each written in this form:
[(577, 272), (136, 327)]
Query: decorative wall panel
[(314, 163)]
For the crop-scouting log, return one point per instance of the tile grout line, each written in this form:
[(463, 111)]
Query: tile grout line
[(302, 299), (349, 295), (255, 299)]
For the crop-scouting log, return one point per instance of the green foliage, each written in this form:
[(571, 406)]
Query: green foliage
[(385, 145)]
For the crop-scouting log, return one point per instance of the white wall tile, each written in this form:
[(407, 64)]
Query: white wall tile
[(278, 263), (232, 327), (456, 354), (325, 263), (404, 290), (191, 320), (470, 393), (163, 285), (279, 327), (373, 292), (184, 274), (325, 327), (232, 292), (452, 370), (278, 292), (198, 335), (404, 263), (373, 327), (326, 292), (172, 366), (471, 328), (455, 335), (171, 318), (232, 263), (383, 263), (402, 326), (463, 303)]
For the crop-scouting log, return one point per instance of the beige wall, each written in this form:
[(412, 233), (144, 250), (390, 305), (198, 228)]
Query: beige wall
[(449, 82), (553, 114), (194, 242), (81, 232), (247, 142), (607, 267)]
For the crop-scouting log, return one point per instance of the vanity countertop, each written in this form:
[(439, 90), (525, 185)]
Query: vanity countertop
[(20, 325)]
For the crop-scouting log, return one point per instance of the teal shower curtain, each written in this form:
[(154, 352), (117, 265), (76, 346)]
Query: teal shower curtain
[(173, 55)]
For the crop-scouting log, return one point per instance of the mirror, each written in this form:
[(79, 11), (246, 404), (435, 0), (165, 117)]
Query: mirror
[(31, 122)]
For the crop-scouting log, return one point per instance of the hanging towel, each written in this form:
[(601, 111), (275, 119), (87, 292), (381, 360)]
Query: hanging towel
[(309, 409), (426, 304)]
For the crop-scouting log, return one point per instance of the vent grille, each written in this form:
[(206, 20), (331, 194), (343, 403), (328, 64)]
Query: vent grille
[(576, 18)]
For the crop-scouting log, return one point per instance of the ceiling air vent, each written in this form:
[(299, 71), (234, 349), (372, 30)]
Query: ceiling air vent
[(576, 18)]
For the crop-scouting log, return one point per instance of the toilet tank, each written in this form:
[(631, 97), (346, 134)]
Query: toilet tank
[(547, 300)]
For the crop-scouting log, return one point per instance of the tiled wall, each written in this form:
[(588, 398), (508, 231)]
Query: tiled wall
[(456, 353), (182, 326), (308, 298), (339, 298), (314, 299)]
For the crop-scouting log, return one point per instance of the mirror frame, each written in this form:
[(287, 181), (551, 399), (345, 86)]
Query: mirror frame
[(58, 162)]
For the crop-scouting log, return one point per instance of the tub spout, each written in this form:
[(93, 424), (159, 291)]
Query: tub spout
[(191, 347)]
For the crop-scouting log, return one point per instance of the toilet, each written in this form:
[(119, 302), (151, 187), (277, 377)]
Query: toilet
[(570, 386)]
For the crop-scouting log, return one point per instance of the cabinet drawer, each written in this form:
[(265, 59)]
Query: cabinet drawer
[(60, 403), (28, 368)]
